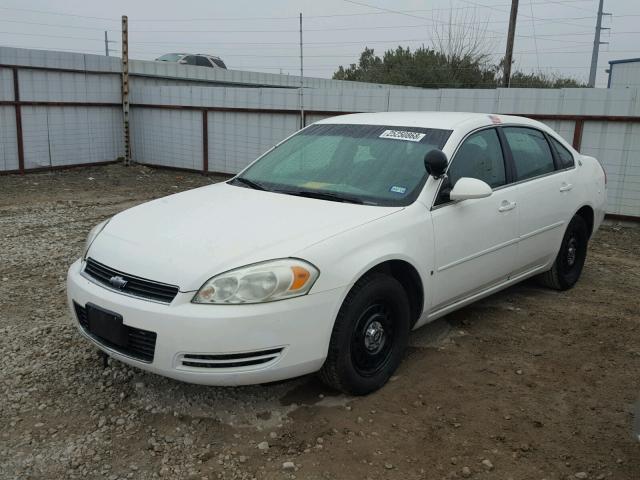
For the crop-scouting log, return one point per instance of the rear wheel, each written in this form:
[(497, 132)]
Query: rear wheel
[(567, 267), (369, 336)]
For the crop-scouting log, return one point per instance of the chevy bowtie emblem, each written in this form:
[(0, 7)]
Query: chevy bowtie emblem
[(118, 282)]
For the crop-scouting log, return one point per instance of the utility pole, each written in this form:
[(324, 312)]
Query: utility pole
[(596, 45), (301, 78), (508, 57), (125, 89), (107, 42)]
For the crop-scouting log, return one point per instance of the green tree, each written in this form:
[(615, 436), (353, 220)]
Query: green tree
[(429, 68), (541, 80)]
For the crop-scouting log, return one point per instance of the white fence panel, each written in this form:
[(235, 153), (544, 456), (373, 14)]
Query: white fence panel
[(236, 139), (105, 134), (60, 136), (596, 101), (170, 138), (8, 139), (6, 84), (617, 146), (69, 141), (35, 131), (52, 86)]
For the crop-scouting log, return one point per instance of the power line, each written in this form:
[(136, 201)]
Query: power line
[(493, 7), (307, 44), (535, 40), (563, 3), (307, 17), (53, 36), (500, 34), (50, 25), (48, 12)]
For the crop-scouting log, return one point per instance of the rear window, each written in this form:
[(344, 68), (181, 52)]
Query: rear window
[(531, 152), (564, 155)]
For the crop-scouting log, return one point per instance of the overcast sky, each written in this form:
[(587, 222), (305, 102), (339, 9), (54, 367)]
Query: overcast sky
[(553, 36)]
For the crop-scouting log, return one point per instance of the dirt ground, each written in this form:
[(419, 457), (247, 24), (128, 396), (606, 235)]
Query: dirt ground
[(527, 384)]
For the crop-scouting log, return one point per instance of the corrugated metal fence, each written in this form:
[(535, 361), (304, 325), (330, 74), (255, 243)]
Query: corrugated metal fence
[(60, 109)]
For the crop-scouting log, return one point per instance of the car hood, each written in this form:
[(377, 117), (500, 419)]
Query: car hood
[(186, 238)]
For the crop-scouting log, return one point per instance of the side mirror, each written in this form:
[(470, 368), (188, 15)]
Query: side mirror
[(467, 188), (435, 162), (183, 61)]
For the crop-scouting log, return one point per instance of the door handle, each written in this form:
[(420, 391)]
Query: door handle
[(505, 206), (565, 187)]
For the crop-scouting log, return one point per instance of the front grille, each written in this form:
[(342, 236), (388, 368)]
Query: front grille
[(231, 360), (135, 286), (141, 343)]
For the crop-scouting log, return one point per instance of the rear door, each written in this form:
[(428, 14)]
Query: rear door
[(203, 61), (475, 240), (189, 60), (544, 191)]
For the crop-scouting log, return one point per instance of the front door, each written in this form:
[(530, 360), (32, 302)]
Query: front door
[(475, 240)]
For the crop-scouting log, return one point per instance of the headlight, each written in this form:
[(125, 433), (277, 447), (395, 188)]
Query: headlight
[(93, 233), (260, 282)]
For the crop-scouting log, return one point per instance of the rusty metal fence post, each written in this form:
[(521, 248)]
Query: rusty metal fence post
[(125, 90), (19, 136), (577, 134), (205, 142)]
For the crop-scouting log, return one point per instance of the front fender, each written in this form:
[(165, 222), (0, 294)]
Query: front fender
[(346, 257)]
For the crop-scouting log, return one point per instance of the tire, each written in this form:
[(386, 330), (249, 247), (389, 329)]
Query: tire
[(568, 264), (369, 336)]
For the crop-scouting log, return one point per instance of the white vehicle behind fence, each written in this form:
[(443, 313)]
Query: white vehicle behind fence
[(197, 59), (324, 253)]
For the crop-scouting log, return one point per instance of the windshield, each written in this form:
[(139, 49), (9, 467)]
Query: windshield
[(371, 164), (170, 57)]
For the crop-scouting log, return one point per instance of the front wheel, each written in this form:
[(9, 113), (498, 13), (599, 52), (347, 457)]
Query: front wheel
[(567, 267), (369, 336)]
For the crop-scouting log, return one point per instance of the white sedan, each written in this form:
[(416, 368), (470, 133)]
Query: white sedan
[(325, 252)]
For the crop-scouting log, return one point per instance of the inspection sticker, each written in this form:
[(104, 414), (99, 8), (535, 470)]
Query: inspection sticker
[(397, 189), (403, 135)]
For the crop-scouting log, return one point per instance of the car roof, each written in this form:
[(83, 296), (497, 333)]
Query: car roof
[(207, 55), (442, 120)]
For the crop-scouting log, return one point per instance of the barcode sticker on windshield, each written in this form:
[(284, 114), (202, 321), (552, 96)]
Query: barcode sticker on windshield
[(403, 135)]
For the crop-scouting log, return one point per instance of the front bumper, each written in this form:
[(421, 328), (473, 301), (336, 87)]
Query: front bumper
[(299, 328)]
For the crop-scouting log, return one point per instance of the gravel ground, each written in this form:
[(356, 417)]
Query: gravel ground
[(527, 384)]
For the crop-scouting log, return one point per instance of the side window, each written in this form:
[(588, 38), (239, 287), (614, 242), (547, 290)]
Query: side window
[(565, 156), (480, 156), (531, 153), (203, 61), (218, 62), (189, 60)]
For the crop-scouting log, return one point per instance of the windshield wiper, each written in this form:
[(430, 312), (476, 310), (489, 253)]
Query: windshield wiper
[(334, 197), (250, 183)]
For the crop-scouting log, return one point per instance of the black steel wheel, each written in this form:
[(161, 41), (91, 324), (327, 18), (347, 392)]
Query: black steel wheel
[(369, 336), (569, 262), (372, 339)]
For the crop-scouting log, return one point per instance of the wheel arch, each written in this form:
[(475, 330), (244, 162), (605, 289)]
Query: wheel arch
[(407, 275), (588, 215)]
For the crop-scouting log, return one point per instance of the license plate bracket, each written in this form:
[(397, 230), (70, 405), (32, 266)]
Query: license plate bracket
[(107, 325)]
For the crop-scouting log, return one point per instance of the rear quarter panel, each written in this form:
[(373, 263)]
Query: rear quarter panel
[(590, 179)]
